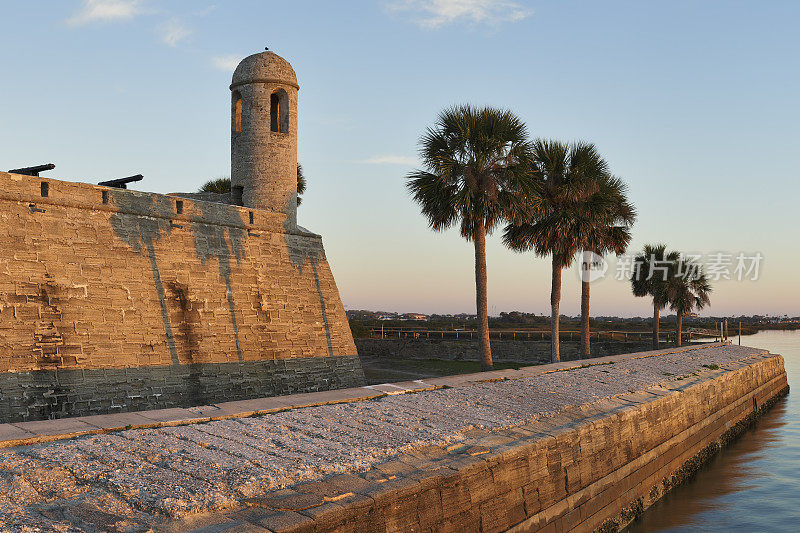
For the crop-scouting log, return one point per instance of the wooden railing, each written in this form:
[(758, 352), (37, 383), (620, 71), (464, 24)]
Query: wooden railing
[(459, 334)]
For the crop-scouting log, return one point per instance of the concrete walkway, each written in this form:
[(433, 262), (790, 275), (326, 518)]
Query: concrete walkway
[(134, 471)]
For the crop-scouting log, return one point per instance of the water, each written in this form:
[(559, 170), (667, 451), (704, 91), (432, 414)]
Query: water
[(754, 484)]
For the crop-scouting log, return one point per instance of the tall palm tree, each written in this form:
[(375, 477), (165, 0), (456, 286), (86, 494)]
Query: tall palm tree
[(476, 175), (609, 216), (652, 270), (685, 293), (567, 176)]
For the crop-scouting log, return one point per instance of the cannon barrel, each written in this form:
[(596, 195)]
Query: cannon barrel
[(32, 171), (121, 183)]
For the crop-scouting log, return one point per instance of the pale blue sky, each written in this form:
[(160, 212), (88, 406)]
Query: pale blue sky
[(693, 104)]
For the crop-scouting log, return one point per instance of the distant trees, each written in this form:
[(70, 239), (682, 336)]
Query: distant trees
[(685, 293), (668, 281), (476, 175), (652, 269)]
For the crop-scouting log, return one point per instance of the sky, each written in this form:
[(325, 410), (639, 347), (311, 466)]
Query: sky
[(693, 104)]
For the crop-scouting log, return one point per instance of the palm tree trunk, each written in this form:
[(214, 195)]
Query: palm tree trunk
[(656, 318), (585, 333), (679, 328), (480, 296), (555, 299)]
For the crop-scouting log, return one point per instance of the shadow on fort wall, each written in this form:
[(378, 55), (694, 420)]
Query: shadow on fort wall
[(298, 255), (223, 242), (141, 233), (210, 241)]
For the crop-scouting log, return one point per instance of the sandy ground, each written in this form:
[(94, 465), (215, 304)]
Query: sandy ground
[(130, 480)]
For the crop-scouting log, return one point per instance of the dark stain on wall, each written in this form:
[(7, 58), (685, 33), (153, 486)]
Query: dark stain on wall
[(141, 233), (223, 241), (187, 319), (298, 255), (188, 338)]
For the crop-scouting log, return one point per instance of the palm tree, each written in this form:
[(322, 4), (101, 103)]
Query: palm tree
[(476, 175), (685, 293), (301, 184), (609, 217), (568, 175), (652, 270), (223, 185), (218, 185)]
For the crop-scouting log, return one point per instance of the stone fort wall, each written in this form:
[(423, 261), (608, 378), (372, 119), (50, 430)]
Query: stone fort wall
[(116, 300)]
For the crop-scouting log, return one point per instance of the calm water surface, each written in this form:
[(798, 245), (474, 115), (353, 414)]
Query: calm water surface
[(754, 484)]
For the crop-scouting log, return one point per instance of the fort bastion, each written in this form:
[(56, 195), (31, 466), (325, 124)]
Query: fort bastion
[(116, 300)]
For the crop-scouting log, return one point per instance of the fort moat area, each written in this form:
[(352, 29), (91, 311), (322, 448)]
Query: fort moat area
[(333, 466)]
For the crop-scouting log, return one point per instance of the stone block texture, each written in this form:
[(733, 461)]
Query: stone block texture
[(104, 292)]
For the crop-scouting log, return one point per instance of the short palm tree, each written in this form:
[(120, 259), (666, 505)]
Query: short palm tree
[(223, 185), (567, 175), (652, 270), (301, 184), (218, 185), (608, 216), (685, 293), (476, 175)]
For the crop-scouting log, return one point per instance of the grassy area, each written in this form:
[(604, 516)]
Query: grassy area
[(387, 371)]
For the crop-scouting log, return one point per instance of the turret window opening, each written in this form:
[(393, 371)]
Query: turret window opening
[(279, 111), (237, 112)]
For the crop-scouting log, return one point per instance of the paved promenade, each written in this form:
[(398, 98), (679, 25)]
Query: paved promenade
[(182, 463)]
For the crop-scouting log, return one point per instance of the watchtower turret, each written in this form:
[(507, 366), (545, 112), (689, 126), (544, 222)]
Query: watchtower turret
[(264, 134)]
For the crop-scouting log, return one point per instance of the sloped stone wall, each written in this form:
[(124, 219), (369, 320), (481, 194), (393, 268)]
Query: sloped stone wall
[(94, 278)]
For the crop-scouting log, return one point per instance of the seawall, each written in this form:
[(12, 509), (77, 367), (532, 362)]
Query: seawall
[(519, 350), (562, 447), (115, 300), (589, 468)]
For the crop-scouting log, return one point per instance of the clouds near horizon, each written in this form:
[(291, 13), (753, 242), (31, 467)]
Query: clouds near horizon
[(432, 14), (226, 63), (173, 32), (106, 11)]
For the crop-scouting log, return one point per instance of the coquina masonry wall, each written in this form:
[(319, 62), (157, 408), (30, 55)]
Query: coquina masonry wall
[(115, 300)]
